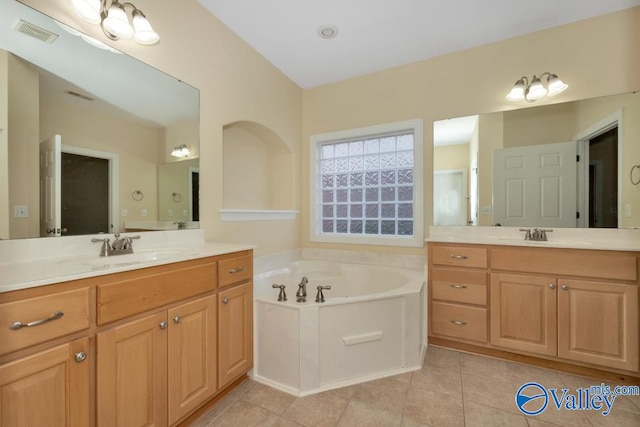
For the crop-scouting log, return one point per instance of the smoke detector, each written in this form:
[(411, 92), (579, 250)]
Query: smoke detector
[(327, 31)]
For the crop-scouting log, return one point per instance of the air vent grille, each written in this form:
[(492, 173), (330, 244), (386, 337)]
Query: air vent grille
[(79, 95), (34, 31)]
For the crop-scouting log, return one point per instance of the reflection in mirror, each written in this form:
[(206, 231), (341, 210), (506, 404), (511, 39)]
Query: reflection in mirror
[(561, 165), (115, 120)]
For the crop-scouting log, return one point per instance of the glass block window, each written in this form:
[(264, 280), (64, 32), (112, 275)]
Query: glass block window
[(365, 187)]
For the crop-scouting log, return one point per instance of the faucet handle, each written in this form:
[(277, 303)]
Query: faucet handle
[(282, 296), (320, 294), (527, 235)]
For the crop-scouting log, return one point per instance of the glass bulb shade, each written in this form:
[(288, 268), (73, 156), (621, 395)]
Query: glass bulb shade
[(180, 151), (144, 34), (517, 92), (555, 85), (536, 90), (117, 22), (89, 10)]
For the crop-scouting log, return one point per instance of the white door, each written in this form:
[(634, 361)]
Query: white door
[(50, 189), (535, 185), (450, 197)]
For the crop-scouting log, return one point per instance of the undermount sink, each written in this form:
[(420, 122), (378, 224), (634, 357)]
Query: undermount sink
[(139, 256)]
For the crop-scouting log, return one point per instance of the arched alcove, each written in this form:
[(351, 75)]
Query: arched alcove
[(258, 173)]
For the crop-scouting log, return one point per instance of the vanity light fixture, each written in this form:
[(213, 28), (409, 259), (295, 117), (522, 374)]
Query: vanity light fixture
[(114, 21), (533, 90), (180, 151)]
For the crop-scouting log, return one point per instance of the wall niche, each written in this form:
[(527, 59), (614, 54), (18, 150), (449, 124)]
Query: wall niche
[(258, 174)]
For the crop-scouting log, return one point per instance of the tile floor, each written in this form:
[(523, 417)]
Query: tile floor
[(452, 389)]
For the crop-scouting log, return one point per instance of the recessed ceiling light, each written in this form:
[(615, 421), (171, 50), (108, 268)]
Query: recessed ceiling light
[(327, 31)]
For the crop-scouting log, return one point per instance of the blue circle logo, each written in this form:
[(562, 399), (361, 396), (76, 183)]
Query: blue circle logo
[(532, 398)]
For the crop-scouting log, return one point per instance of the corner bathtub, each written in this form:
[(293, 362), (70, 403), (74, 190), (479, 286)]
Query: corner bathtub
[(370, 325)]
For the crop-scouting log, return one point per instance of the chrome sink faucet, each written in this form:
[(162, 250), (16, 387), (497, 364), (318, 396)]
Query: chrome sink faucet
[(538, 234), (301, 295), (119, 246)]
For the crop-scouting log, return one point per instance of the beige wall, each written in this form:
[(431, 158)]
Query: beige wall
[(595, 57), (23, 147), (183, 133), (235, 84), (451, 157), (173, 190), (4, 144)]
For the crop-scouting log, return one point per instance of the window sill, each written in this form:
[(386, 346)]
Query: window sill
[(239, 215)]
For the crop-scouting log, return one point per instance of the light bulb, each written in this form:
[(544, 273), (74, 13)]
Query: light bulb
[(555, 85), (89, 10), (536, 90), (117, 23), (144, 34), (517, 92)]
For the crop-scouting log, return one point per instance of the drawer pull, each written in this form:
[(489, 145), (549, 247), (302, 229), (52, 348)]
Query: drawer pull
[(565, 288), (225, 301), (237, 270), (552, 286), (458, 322), (163, 324), (80, 357), (459, 257), (19, 325), (456, 286), (177, 319)]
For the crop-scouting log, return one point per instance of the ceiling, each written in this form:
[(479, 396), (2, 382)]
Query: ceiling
[(374, 35)]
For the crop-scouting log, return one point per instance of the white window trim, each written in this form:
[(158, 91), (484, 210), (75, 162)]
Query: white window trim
[(417, 240)]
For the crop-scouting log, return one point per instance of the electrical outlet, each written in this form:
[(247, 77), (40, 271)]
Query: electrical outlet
[(123, 213), (143, 212), (627, 210), (485, 210), (20, 211), (170, 212), (185, 212)]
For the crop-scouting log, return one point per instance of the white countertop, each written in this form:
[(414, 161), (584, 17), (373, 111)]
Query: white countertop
[(573, 238), (27, 263)]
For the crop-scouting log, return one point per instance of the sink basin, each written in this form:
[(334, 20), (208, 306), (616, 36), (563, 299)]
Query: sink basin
[(139, 256)]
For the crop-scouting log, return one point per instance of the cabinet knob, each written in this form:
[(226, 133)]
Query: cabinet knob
[(552, 286), (80, 357), (225, 301), (565, 288), (177, 319), (164, 324)]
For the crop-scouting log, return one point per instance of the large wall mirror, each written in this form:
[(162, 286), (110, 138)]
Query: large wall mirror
[(570, 164), (88, 133)]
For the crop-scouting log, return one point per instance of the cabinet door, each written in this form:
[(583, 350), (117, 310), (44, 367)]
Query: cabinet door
[(235, 323), (132, 373), (598, 323), (523, 313), (49, 388), (192, 355)]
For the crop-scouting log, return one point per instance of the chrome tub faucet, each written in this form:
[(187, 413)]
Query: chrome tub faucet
[(301, 295)]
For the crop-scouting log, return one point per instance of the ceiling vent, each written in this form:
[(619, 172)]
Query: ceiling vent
[(78, 95), (34, 31)]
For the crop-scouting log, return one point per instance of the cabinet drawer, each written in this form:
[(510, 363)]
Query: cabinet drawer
[(459, 321), (127, 294), (581, 263), (459, 285), (235, 270), (462, 256), (74, 306)]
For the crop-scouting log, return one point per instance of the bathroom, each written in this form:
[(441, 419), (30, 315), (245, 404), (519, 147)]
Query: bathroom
[(241, 93)]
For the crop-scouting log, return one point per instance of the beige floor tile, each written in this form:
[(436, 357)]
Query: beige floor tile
[(404, 378), (444, 358), (268, 398), (443, 380), (535, 422), (433, 408), (617, 418), (245, 414), (483, 366), (283, 422), (524, 373), (563, 417), (625, 403), (482, 416), (408, 422), (362, 414), (216, 410), (494, 392), (324, 409), (385, 393)]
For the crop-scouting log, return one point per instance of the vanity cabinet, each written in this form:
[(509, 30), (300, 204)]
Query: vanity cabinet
[(41, 389), (570, 305), (169, 356), (458, 302)]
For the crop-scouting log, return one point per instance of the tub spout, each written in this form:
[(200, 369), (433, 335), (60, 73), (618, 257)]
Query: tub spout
[(301, 295)]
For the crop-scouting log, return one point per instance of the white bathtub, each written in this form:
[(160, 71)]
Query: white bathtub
[(370, 325)]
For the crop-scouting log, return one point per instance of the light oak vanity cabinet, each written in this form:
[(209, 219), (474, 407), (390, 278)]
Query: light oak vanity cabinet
[(143, 347), (569, 305), (458, 302)]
